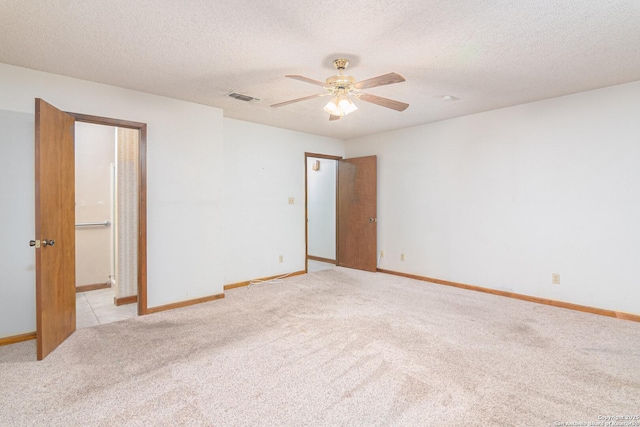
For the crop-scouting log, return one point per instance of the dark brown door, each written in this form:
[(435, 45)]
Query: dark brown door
[(55, 227), (357, 226)]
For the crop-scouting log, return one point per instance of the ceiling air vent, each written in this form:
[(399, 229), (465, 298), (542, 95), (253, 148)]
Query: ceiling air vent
[(245, 98)]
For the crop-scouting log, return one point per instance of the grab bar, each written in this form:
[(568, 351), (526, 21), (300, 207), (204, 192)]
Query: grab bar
[(94, 224)]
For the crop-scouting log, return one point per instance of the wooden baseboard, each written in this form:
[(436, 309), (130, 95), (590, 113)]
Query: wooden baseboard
[(183, 304), (17, 338), (246, 283), (317, 258), (125, 300), (85, 288), (593, 310)]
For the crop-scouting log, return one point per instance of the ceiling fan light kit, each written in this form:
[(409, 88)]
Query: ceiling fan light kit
[(342, 88), (340, 106)]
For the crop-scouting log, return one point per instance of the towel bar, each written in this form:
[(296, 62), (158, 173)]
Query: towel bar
[(94, 224)]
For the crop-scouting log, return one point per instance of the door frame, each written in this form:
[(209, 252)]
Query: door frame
[(306, 204), (142, 195)]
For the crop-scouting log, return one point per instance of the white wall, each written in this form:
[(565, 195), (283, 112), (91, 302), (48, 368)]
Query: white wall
[(17, 219), (505, 198), (500, 199), (95, 152), (321, 208), (184, 189), (264, 166)]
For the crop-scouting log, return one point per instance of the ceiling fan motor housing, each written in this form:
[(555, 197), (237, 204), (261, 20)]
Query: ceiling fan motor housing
[(340, 82)]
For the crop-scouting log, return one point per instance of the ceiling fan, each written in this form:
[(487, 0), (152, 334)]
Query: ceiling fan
[(342, 88)]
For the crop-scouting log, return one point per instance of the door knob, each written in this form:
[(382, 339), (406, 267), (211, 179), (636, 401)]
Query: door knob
[(46, 242)]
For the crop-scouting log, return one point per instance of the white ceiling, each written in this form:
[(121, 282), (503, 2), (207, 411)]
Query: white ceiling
[(488, 53)]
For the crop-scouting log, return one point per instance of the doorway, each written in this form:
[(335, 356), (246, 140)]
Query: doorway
[(354, 232), (137, 179), (321, 210), (106, 202)]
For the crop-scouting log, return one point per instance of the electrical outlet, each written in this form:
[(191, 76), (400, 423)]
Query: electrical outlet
[(292, 200), (381, 254), (401, 257), (281, 259), (555, 278)]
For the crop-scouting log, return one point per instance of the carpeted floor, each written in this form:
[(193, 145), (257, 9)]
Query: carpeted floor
[(332, 348)]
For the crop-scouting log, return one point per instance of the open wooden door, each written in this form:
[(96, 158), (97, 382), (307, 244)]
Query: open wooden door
[(357, 223), (55, 227)]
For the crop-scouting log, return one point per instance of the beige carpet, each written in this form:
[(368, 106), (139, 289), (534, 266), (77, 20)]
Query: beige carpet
[(332, 348)]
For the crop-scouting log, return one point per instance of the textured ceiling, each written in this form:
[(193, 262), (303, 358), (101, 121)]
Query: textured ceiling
[(488, 53)]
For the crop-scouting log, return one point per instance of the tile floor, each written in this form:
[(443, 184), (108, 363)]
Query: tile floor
[(318, 266), (97, 307)]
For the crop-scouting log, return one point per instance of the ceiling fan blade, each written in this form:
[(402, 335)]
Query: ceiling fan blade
[(383, 102), (305, 79), (297, 100), (385, 79), (332, 117)]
